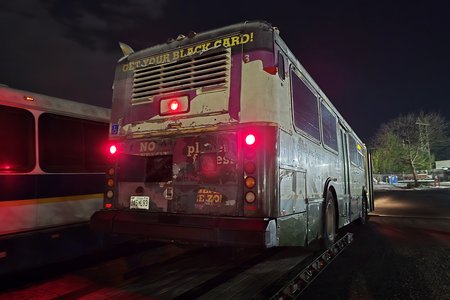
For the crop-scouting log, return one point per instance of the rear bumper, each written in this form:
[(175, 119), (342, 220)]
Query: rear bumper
[(198, 229)]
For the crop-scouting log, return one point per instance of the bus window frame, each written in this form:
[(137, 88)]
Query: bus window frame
[(334, 151), (357, 152), (295, 72), (31, 150), (281, 58), (84, 166)]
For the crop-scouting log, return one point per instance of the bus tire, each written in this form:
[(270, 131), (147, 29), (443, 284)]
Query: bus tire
[(329, 221)]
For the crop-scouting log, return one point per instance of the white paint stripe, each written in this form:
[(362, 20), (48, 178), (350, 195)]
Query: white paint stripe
[(409, 216)]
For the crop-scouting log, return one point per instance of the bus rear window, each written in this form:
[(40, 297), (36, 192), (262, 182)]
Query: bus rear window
[(17, 151), (135, 168)]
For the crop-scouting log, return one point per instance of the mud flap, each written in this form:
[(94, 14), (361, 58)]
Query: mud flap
[(271, 234)]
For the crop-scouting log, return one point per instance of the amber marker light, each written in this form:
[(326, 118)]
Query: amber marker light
[(250, 182), (110, 182)]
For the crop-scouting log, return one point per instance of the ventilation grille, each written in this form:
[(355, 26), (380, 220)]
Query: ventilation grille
[(205, 70)]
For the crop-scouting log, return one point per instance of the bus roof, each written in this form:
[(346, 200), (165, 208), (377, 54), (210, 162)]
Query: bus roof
[(255, 25), (30, 100), (191, 38)]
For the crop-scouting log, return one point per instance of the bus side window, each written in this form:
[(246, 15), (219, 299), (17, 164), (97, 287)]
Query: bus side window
[(69, 144), (281, 68), (17, 151), (329, 128), (306, 110), (356, 157)]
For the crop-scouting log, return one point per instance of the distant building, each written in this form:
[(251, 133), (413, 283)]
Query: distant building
[(443, 164), (442, 171)]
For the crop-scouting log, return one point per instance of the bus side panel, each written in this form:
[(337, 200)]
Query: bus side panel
[(18, 209), (292, 230), (292, 188), (357, 178), (292, 203), (67, 210), (17, 216), (305, 167)]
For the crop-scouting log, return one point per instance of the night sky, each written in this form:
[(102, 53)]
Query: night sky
[(374, 59)]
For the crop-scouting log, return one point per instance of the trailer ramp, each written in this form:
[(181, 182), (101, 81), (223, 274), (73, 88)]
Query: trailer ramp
[(295, 286)]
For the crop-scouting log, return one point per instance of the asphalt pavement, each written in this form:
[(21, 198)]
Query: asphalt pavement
[(403, 252)]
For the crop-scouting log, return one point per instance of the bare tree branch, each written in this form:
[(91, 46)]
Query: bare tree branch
[(407, 143)]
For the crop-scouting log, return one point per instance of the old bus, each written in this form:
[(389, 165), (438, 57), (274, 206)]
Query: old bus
[(223, 138)]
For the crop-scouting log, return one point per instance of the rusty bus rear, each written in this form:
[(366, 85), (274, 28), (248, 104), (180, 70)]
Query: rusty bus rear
[(207, 149)]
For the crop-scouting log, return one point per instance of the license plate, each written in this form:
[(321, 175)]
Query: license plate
[(140, 202)]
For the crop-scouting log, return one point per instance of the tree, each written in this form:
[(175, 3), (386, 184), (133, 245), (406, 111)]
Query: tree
[(406, 143)]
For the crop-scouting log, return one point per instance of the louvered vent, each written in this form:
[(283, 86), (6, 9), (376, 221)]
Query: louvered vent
[(205, 70)]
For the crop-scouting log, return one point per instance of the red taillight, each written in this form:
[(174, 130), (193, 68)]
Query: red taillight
[(249, 167), (173, 105), (272, 70), (250, 139), (111, 171), (250, 184), (6, 167), (112, 153), (113, 149)]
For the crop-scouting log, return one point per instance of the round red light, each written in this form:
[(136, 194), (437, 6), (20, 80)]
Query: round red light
[(250, 139), (113, 149), (111, 171), (249, 167), (173, 105)]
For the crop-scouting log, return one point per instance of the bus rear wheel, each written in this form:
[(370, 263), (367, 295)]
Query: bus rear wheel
[(329, 221)]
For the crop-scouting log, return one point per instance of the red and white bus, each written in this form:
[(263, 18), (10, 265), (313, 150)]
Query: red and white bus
[(223, 138)]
